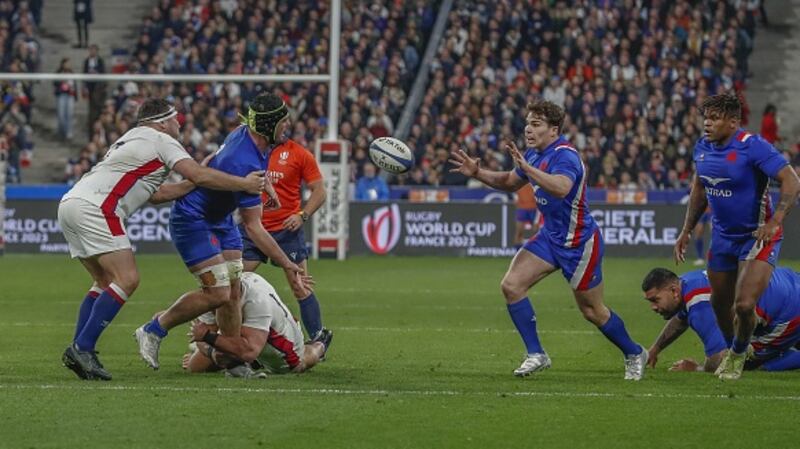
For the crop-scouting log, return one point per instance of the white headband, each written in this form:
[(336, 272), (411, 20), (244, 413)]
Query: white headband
[(161, 117)]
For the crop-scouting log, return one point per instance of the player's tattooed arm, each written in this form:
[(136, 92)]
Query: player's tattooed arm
[(790, 189), (674, 328)]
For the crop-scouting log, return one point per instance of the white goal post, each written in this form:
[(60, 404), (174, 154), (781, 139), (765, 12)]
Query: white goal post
[(320, 227)]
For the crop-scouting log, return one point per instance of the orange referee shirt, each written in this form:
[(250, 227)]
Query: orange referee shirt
[(526, 198), (290, 164)]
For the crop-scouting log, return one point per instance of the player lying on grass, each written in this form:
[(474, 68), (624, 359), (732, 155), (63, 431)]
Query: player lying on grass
[(271, 339), (685, 302)]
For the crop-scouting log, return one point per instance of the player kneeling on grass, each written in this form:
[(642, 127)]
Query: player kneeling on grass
[(271, 339), (686, 302)]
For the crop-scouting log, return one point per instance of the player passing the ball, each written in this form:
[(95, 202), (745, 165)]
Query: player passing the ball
[(203, 230), (734, 169), (93, 212), (569, 241)]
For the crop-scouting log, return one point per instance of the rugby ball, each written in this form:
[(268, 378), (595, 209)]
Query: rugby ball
[(391, 155)]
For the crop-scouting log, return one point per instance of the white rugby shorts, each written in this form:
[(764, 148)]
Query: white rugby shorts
[(87, 230)]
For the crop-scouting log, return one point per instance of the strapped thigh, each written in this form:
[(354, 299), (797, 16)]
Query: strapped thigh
[(213, 276)]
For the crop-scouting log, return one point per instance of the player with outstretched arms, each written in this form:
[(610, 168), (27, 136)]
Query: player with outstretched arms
[(569, 241), (204, 232), (734, 169), (92, 216), (685, 301)]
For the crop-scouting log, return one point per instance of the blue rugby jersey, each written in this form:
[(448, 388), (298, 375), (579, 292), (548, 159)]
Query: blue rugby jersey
[(777, 312), (696, 309), (567, 221), (736, 182), (238, 156)]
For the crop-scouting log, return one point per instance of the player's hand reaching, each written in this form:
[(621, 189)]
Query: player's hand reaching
[(681, 243), (198, 330), (685, 365), (766, 232), (254, 182), (464, 164), (298, 277), (516, 155), (652, 357), (272, 202)]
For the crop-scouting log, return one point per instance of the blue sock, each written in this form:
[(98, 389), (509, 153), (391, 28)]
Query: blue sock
[(105, 308), (310, 314), (524, 319), (86, 310), (698, 246), (787, 361), (614, 330), (728, 340), (154, 327), (739, 346)]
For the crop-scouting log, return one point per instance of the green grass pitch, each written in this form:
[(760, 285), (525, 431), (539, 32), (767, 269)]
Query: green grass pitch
[(422, 357)]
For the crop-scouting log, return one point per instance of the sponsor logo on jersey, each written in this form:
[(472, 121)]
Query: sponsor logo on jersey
[(714, 181), (721, 193)]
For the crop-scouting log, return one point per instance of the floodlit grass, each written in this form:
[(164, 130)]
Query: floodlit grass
[(422, 357)]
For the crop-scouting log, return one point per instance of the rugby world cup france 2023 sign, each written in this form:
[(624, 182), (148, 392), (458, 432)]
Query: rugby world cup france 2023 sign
[(456, 229), (486, 229)]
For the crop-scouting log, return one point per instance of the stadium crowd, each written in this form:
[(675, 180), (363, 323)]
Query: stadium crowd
[(380, 53), (630, 77), (19, 53)]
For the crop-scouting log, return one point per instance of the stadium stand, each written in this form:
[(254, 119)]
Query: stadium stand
[(19, 52), (628, 76), (380, 53)]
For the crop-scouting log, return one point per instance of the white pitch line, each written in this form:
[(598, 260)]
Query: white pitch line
[(348, 392), (347, 328), (341, 306)]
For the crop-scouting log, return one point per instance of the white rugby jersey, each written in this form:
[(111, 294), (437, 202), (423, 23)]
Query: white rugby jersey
[(131, 171), (262, 309)]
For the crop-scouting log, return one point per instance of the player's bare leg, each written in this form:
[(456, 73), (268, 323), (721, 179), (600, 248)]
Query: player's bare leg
[(229, 315), (214, 292), (723, 291), (590, 303), (753, 279), (525, 271)]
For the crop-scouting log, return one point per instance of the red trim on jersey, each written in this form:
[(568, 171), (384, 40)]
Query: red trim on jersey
[(767, 249), (115, 295), (580, 226), (791, 328), (128, 180), (698, 291), (741, 136), (763, 315), (285, 346), (588, 275)]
